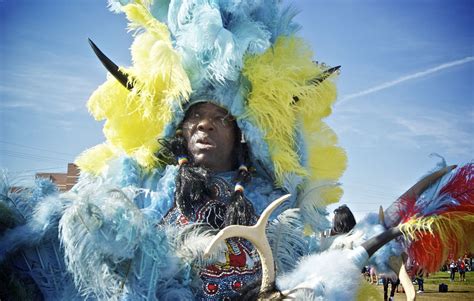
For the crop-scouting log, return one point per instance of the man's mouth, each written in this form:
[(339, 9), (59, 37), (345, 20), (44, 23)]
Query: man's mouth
[(205, 143)]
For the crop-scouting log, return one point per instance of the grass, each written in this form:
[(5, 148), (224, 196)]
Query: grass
[(456, 290)]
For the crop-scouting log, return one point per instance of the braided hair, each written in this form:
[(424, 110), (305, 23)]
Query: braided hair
[(240, 211), (193, 181)]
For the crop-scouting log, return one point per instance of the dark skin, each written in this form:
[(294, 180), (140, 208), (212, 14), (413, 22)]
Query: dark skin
[(211, 133)]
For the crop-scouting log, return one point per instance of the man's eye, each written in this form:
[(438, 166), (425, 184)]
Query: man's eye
[(226, 121)]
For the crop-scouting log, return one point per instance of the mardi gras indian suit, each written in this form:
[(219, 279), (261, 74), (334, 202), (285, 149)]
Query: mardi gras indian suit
[(118, 234)]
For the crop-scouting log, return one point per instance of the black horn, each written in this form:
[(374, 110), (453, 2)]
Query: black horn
[(111, 67), (318, 79), (323, 75), (375, 243)]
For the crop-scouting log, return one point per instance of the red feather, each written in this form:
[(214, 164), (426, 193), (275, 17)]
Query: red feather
[(430, 250)]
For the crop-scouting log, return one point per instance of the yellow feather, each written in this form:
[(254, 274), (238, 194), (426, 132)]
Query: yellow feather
[(106, 98), (327, 162), (308, 230), (95, 159), (441, 224), (452, 223), (135, 119), (140, 17), (276, 77), (331, 195)]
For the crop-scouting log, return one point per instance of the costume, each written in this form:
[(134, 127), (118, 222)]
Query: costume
[(123, 234)]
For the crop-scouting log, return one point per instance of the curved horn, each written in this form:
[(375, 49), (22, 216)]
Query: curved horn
[(396, 263), (375, 243), (392, 216), (382, 216), (111, 67), (323, 75), (318, 79), (416, 190), (257, 236)]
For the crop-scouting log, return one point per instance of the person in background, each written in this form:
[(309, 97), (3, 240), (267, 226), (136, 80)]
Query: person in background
[(341, 234), (385, 281), (462, 270), (452, 270), (343, 220), (374, 279), (365, 273), (420, 281)]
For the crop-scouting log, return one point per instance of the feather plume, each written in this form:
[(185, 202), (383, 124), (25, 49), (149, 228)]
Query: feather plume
[(319, 276), (162, 85), (92, 252), (37, 208), (436, 237), (440, 222), (312, 201), (8, 218), (113, 249), (286, 238), (95, 159), (276, 76), (190, 242), (32, 245)]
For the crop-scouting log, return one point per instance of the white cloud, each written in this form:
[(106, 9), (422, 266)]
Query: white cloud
[(415, 128), (52, 85), (402, 79), (452, 134)]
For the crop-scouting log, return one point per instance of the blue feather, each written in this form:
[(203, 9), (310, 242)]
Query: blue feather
[(370, 226), (40, 208), (312, 205), (286, 238)]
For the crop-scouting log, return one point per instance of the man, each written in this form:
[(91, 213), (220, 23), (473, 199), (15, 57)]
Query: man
[(212, 155), (343, 220), (452, 270), (191, 141), (174, 168), (385, 281)]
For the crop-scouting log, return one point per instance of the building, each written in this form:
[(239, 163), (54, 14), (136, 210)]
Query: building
[(64, 181)]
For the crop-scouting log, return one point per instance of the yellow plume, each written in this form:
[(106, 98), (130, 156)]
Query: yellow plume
[(135, 119), (277, 76), (95, 158)]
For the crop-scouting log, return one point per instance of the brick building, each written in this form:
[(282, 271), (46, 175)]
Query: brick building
[(64, 181)]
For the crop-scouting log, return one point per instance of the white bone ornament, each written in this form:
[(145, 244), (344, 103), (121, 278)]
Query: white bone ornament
[(396, 263), (257, 236)]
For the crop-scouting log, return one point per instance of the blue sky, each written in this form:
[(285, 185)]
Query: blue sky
[(405, 91)]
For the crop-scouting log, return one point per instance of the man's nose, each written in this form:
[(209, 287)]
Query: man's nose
[(205, 124)]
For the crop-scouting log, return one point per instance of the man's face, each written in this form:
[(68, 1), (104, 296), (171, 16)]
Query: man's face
[(210, 133)]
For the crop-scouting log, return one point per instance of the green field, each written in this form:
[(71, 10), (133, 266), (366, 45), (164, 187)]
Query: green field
[(456, 290)]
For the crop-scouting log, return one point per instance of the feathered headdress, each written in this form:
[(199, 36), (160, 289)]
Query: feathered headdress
[(440, 222), (241, 55)]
